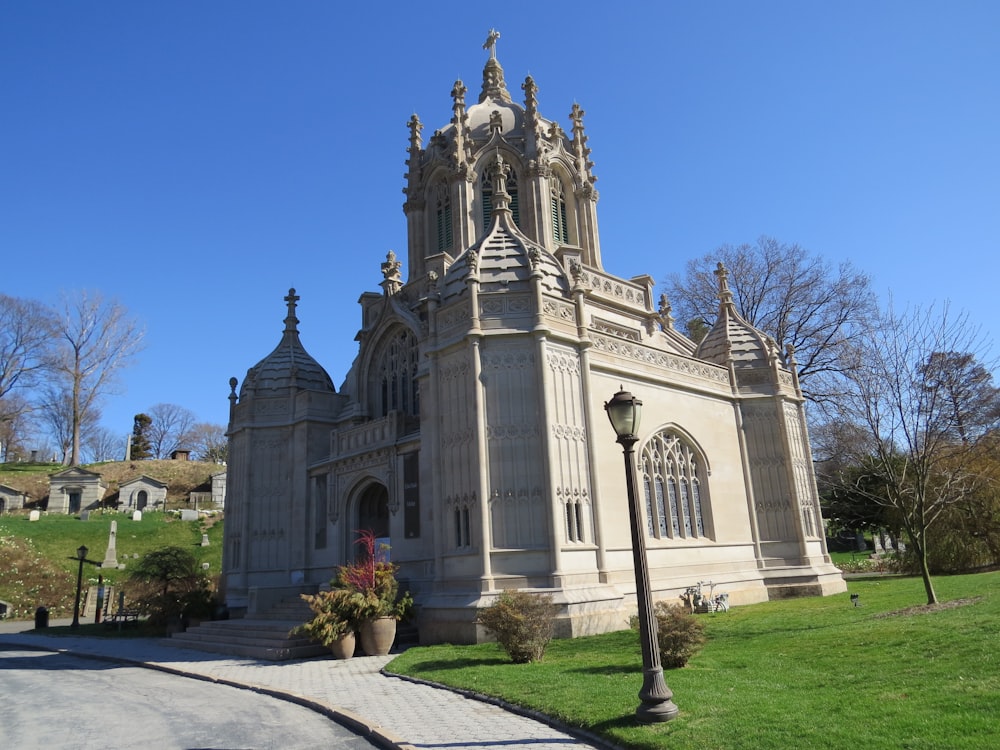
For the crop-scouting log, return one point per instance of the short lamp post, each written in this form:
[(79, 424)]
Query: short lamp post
[(624, 411), (81, 555)]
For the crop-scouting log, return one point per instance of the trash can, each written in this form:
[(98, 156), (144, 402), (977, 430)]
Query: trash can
[(41, 618)]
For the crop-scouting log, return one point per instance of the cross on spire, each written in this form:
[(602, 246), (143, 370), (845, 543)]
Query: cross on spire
[(491, 43)]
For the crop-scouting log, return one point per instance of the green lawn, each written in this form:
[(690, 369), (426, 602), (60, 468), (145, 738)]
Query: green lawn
[(802, 673), (38, 558)]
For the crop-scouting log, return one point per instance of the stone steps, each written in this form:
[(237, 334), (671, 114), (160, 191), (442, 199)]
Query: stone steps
[(264, 636)]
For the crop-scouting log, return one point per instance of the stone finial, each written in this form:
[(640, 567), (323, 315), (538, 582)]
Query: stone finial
[(582, 153), (725, 296), (666, 318), (392, 279), (291, 322), (534, 258), (415, 126), (530, 96)]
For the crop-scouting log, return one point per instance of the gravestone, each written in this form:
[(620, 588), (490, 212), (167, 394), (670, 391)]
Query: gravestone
[(189, 515), (137, 515), (877, 541), (204, 540), (111, 556), (85, 515), (34, 515)]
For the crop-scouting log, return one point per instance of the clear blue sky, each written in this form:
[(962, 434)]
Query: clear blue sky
[(196, 159)]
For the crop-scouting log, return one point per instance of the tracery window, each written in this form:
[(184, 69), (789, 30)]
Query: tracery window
[(395, 374), (557, 203), (669, 463), (486, 190)]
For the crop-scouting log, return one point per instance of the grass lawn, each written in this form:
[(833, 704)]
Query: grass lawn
[(801, 673)]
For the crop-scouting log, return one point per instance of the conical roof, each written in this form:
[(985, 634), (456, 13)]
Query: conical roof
[(732, 336), (289, 366)]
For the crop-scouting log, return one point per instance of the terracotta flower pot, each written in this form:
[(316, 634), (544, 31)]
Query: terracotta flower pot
[(377, 635), (343, 647)]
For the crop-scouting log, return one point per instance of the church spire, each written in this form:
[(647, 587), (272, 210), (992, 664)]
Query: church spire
[(493, 83)]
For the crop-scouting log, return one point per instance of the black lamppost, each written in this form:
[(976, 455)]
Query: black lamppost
[(81, 554), (624, 411)]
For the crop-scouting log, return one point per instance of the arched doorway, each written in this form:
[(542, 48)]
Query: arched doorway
[(373, 511), (141, 500)]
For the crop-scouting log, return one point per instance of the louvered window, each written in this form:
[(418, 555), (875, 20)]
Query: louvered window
[(557, 204)]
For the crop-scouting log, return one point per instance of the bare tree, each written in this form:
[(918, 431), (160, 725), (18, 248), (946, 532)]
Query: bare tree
[(797, 298), (25, 336), (169, 428), (102, 444), (916, 454), (209, 442), (95, 339)]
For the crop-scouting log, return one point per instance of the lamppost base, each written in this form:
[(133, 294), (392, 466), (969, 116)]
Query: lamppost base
[(652, 713)]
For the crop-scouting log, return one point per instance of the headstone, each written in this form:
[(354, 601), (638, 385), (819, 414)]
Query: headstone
[(204, 566), (204, 540), (888, 543), (34, 515), (877, 541), (85, 515), (137, 515), (111, 556), (189, 515)]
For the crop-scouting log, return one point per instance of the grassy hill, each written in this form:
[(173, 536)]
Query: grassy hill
[(38, 563)]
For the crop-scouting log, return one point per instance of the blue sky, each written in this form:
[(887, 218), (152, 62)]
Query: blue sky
[(194, 160)]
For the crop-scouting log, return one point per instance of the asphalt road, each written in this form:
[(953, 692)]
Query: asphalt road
[(56, 701)]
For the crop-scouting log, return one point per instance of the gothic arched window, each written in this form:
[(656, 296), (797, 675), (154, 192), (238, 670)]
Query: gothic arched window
[(395, 377), (486, 190), (676, 497)]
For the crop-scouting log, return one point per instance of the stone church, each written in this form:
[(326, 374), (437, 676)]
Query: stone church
[(471, 432)]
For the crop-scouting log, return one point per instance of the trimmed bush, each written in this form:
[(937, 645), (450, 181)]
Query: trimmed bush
[(522, 623), (679, 634)]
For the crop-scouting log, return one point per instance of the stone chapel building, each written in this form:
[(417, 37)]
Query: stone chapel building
[(471, 430)]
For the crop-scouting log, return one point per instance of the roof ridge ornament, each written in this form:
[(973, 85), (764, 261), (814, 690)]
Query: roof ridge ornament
[(493, 83)]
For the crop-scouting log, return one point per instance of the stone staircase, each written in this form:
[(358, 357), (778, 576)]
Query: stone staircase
[(264, 636)]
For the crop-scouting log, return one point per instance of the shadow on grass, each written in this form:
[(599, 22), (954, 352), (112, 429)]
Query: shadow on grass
[(449, 665)]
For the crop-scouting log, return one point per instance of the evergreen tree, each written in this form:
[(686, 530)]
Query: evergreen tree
[(140, 438)]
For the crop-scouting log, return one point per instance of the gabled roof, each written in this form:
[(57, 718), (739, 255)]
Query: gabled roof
[(145, 480)]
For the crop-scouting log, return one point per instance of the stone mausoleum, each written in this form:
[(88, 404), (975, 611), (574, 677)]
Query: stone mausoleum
[(471, 432)]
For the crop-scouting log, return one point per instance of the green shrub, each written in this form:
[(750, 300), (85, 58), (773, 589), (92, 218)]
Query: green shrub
[(522, 623), (679, 634)]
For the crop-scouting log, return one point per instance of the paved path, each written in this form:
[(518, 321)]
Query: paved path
[(391, 711)]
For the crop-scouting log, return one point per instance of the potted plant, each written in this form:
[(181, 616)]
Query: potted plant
[(336, 615), (373, 578)]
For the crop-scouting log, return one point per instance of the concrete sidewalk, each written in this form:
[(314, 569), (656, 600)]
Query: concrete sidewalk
[(394, 712)]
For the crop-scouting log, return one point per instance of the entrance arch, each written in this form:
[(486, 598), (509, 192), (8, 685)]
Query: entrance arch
[(141, 500), (373, 510)]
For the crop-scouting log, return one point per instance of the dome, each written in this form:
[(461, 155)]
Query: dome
[(289, 365)]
